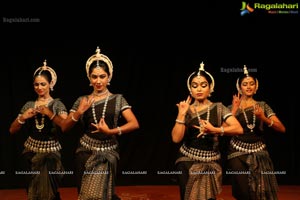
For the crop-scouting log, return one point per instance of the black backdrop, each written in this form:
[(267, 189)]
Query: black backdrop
[(153, 50)]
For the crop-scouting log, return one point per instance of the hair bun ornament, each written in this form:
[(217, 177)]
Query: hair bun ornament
[(246, 71), (201, 68), (99, 57), (52, 72)]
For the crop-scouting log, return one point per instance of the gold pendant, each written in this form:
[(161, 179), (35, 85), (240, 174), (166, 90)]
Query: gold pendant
[(39, 127)]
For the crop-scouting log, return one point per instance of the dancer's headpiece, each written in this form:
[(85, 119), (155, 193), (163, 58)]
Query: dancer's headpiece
[(99, 57), (201, 69), (52, 72), (246, 74)]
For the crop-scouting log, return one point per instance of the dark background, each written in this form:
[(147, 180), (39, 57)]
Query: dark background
[(153, 48)]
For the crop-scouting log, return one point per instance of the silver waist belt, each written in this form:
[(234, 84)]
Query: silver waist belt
[(40, 146), (98, 145), (247, 147), (200, 155)]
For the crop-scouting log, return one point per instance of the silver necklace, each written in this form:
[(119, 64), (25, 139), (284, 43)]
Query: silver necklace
[(100, 93), (103, 111), (40, 126), (201, 133), (250, 126)]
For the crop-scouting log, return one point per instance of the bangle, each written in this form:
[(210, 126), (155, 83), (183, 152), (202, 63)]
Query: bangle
[(271, 124), (73, 119), (120, 131), (52, 117), (19, 121), (179, 121), (222, 130)]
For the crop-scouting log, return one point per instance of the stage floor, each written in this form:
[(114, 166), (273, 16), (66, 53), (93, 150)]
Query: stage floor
[(150, 192)]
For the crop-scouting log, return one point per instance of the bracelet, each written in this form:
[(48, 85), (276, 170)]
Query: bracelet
[(222, 130), (73, 119), (120, 131), (271, 124), (179, 121), (52, 117), (19, 121)]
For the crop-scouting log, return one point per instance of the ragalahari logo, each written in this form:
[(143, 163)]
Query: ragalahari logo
[(246, 9)]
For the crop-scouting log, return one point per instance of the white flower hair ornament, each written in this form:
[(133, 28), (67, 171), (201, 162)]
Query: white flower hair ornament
[(246, 73), (97, 57), (201, 68), (52, 72)]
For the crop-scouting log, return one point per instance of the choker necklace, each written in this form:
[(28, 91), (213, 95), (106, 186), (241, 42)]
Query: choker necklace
[(250, 126), (247, 103), (100, 93), (103, 111), (201, 130), (45, 99), (48, 100)]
